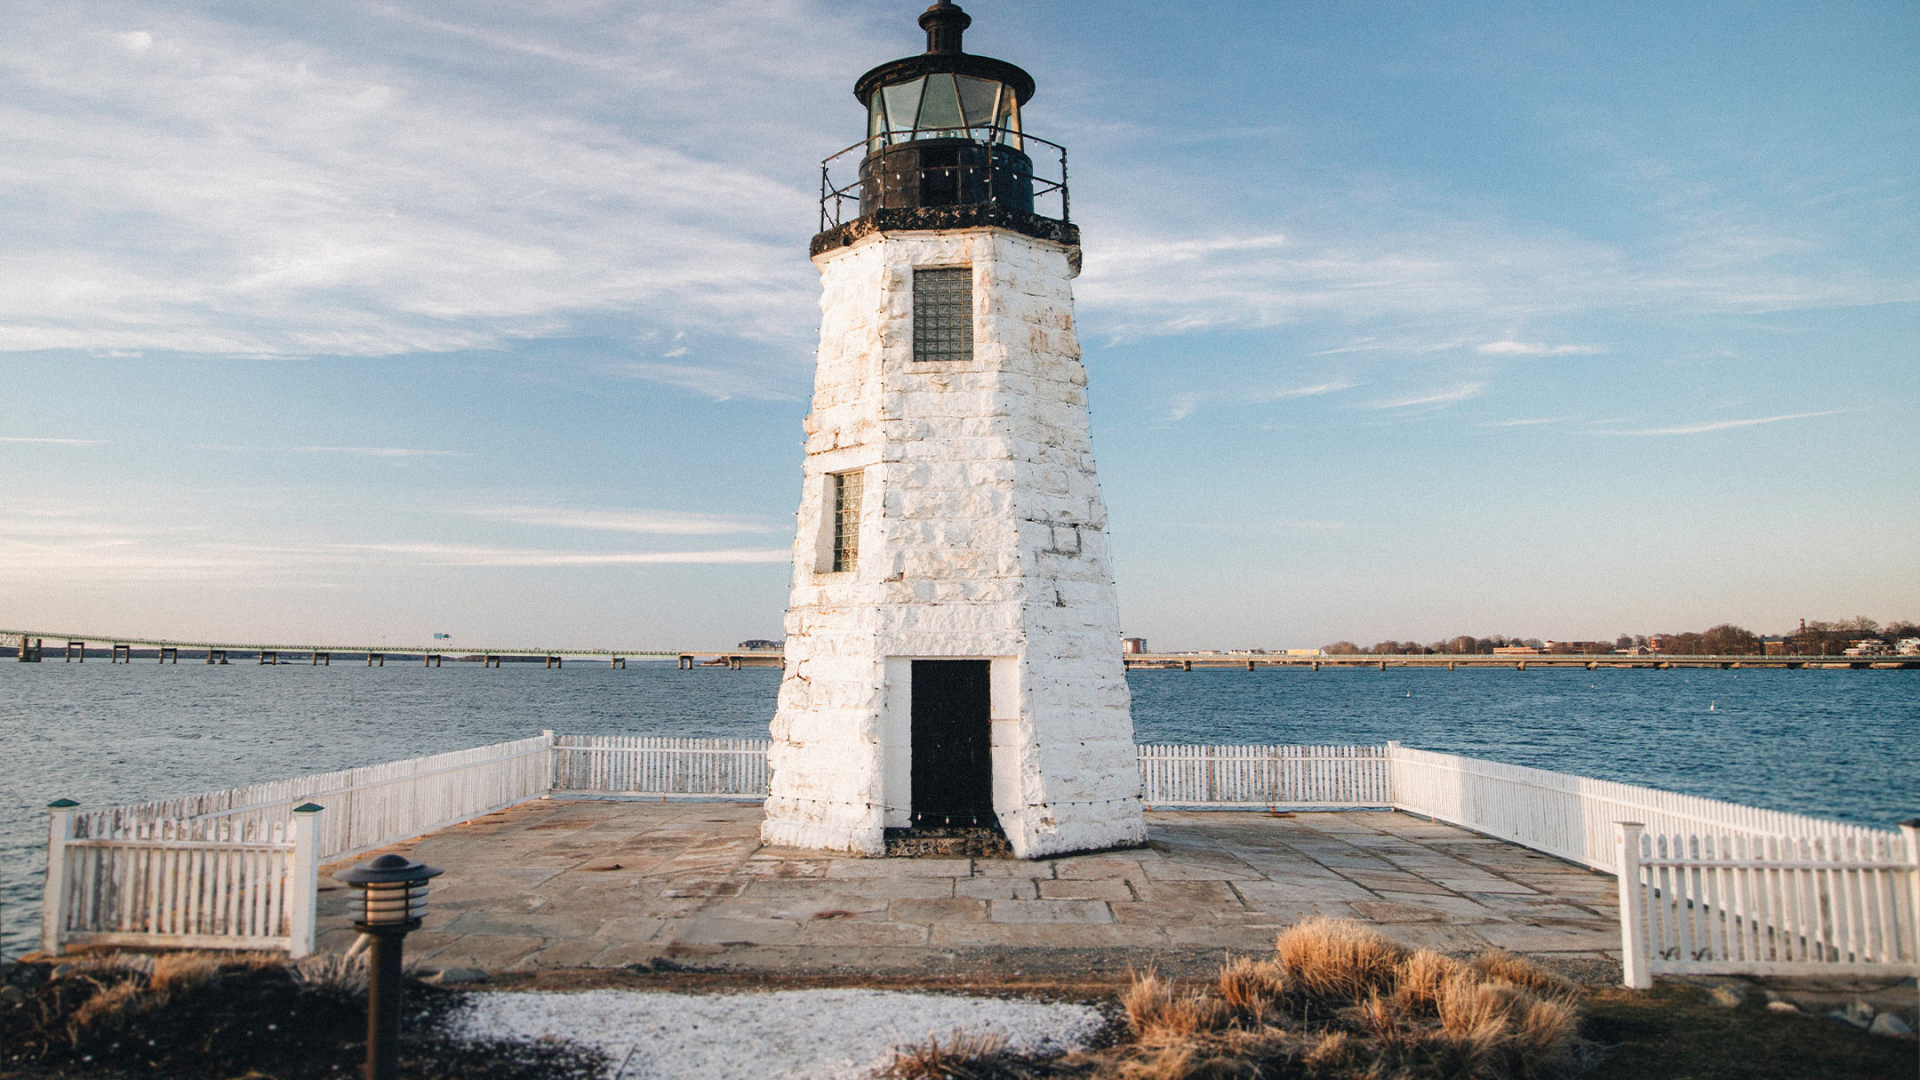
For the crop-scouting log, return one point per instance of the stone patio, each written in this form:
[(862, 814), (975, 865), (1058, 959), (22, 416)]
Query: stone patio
[(569, 884)]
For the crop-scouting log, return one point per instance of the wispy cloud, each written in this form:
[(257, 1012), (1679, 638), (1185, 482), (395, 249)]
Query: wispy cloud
[(1525, 348), (1436, 398), (1530, 421), (1289, 393), (662, 522), (375, 451), (1723, 425), (718, 383), (57, 442), (1181, 406), (476, 555)]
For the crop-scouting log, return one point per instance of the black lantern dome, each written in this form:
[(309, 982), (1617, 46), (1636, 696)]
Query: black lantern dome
[(944, 146)]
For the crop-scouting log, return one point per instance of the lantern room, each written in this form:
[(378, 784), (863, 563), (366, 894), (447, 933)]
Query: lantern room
[(943, 127)]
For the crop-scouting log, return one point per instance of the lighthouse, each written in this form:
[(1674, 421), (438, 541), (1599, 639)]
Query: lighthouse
[(953, 670)]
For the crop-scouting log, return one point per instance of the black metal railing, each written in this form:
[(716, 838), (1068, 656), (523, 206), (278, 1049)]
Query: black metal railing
[(971, 182)]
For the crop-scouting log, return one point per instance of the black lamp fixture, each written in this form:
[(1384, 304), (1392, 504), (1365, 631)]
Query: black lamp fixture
[(390, 899)]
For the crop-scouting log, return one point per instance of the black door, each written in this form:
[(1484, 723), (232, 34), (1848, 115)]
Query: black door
[(952, 756)]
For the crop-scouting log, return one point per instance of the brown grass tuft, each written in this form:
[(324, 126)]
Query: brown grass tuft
[(1419, 979), (1518, 970), (1253, 988), (1337, 959), (959, 1059), (183, 971), (1158, 1013), (108, 1007)]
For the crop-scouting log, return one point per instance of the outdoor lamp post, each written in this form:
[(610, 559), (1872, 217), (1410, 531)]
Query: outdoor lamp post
[(391, 898)]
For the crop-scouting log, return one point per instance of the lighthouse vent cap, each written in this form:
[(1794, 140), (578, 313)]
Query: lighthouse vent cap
[(944, 22)]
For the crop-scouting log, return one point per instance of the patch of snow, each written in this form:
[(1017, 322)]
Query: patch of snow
[(784, 1035)]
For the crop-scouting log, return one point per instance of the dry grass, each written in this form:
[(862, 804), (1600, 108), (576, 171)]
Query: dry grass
[(1337, 959), (1335, 1001), (965, 1056)]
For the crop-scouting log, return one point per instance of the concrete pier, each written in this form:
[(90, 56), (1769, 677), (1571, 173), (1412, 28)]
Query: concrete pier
[(560, 883)]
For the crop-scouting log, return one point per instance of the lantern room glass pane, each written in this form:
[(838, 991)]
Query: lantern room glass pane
[(977, 99), (1010, 122), (940, 108), (903, 104)]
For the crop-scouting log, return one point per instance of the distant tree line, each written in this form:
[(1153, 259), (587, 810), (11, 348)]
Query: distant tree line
[(1814, 639)]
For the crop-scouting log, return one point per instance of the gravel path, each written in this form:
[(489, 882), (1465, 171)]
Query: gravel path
[(787, 1035)]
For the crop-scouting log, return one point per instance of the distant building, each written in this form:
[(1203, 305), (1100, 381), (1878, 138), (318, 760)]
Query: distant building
[(1776, 648), (1575, 647), (1656, 643), (1133, 646), (1867, 647), (758, 643), (1908, 646)]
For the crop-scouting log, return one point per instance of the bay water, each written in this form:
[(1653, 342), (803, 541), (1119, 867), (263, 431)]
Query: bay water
[(1837, 744)]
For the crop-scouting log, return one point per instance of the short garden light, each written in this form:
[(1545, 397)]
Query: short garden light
[(391, 897)]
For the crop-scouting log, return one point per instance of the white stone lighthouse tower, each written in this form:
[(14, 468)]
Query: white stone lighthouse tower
[(952, 643)]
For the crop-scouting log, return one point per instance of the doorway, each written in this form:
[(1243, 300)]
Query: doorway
[(952, 744)]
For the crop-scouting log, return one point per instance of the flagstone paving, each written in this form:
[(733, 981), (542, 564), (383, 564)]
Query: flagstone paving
[(565, 884)]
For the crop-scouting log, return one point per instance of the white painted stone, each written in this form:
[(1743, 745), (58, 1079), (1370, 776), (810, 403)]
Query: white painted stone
[(982, 536)]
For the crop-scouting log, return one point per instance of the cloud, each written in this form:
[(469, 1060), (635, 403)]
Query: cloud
[(1527, 422), (1290, 393), (476, 555), (663, 522), (1437, 398), (1181, 406), (394, 185), (1723, 425), (375, 451), (1522, 348), (718, 383), (58, 442)]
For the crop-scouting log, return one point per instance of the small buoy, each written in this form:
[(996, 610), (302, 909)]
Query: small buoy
[(1711, 706)]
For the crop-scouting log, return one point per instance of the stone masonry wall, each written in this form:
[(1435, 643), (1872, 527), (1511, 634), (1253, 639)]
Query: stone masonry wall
[(982, 536)]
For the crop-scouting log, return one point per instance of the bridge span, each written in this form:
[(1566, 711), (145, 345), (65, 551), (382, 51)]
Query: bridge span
[(36, 646), (32, 647)]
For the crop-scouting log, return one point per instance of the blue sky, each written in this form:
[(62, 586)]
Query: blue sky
[(361, 321)]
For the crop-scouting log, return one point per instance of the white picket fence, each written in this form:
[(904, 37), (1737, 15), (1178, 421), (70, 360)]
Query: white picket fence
[(1745, 905), (1265, 776), (658, 766), (1706, 886), (224, 869)]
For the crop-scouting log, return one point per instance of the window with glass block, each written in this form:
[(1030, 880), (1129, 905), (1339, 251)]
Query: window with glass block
[(943, 313), (847, 489)]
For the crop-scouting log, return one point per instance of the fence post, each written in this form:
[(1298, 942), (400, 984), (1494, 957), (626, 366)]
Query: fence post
[(1634, 958), (1910, 832), (553, 763), (1393, 773), (53, 901), (303, 880)]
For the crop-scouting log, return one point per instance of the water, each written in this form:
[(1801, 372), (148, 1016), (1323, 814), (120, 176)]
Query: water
[(1838, 744)]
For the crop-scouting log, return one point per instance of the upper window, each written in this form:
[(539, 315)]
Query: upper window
[(848, 488), (943, 313), (943, 106)]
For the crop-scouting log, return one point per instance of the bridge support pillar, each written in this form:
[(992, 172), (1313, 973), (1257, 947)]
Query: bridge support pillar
[(1186, 665), (1449, 665), (686, 662), (376, 658), (1520, 666), (733, 663), (167, 654), (268, 656), (80, 646), (119, 652), (1383, 665), (618, 662)]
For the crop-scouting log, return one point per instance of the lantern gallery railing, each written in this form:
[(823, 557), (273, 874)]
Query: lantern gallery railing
[(1705, 886), (950, 166)]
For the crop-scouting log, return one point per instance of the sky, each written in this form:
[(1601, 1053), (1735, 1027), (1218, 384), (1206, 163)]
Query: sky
[(354, 322)]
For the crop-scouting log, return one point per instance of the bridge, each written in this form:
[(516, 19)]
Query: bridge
[(31, 646), (1454, 661)]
